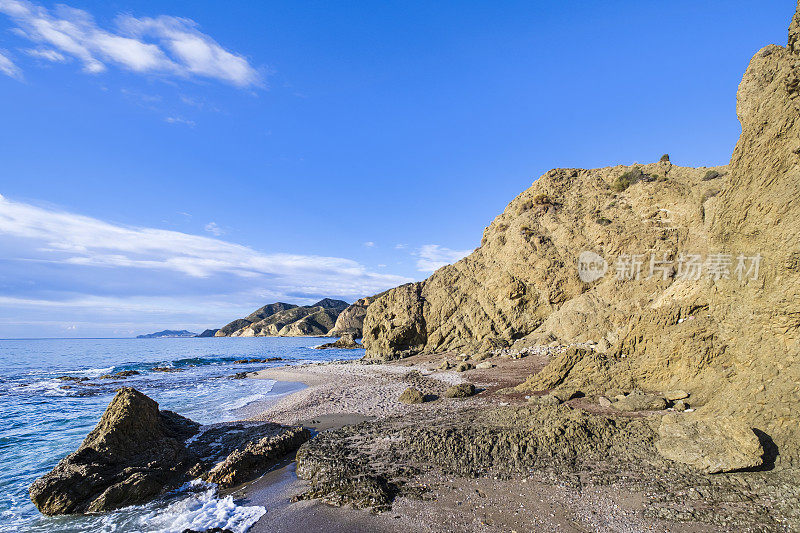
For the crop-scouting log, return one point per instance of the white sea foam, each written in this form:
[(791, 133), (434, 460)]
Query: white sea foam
[(247, 400), (201, 509)]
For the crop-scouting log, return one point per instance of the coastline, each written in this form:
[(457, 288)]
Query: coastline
[(344, 393)]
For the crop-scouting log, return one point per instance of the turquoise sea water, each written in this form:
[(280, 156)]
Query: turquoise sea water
[(42, 418)]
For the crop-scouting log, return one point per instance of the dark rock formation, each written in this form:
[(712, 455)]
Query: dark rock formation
[(346, 342), (129, 458), (209, 333), (137, 452)]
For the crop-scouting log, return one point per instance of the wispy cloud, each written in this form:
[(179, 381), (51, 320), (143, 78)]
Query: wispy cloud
[(8, 67), (180, 120), (213, 229), (369, 244), (163, 45), (434, 256), (46, 54), (41, 234)]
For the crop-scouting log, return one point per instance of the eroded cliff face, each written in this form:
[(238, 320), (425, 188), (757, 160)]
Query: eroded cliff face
[(351, 320), (733, 343), (523, 279)]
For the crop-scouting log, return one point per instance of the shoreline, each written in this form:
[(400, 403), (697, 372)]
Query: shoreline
[(340, 394)]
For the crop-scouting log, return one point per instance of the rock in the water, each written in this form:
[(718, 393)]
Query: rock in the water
[(346, 342), (129, 458), (721, 444), (640, 402), (411, 395), (462, 390), (137, 452)]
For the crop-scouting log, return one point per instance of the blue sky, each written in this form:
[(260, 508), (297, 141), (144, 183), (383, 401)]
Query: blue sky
[(178, 164)]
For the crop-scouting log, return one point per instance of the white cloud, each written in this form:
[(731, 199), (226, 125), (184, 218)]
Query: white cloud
[(162, 45), (179, 120), (214, 229), (46, 235), (8, 67), (369, 244), (47, 54), (400, 246), (196, 52), (433, 256)]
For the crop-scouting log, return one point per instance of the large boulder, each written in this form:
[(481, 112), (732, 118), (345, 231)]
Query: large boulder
[(639, 401), (720, 445), (136, 452)]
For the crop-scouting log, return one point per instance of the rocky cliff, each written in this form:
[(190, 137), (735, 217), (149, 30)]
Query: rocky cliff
[(287, 320), (729, 335), (351, 320)]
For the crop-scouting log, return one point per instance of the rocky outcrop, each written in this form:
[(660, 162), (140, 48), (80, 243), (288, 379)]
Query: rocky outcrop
[(351, 320), (523, 280), (138, 452), (732, 341), (346, 342), (208, 333), (395, 323), (719, 445), (287, 320)]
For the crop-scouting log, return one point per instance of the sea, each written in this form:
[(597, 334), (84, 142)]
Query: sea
[(44, 417)]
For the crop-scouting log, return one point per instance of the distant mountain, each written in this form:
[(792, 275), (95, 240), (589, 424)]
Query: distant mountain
[(287, 320), (168, 334), (208, 333)]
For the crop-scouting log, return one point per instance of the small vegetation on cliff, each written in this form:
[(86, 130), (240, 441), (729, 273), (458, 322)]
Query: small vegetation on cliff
[(712, 175), (629, 178)]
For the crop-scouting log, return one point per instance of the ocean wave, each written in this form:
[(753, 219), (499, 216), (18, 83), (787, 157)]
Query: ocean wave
[(202, 509)]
